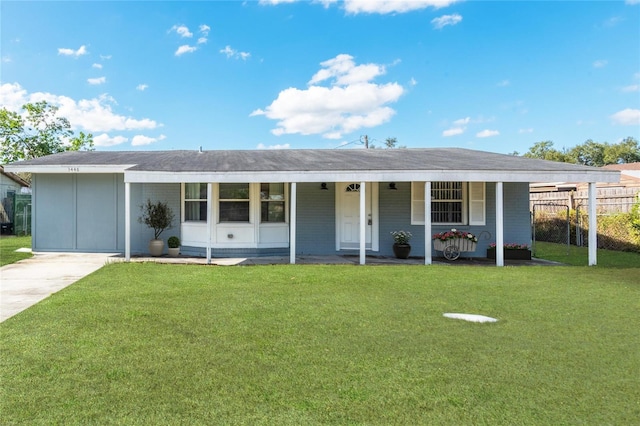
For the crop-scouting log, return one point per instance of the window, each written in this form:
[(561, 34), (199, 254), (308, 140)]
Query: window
[(450, 203), (446, 202), (234, 202), (195, 202), (272, 202)]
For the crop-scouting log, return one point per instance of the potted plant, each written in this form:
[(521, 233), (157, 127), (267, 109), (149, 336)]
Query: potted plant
[(157, 216), (512, 251), (401, 246), (174, 246)]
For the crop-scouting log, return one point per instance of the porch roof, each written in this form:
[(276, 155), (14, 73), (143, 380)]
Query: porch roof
[(315, 165)]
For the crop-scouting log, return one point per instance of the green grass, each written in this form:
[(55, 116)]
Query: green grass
[(579, 256), (8, 247), (301, 344)]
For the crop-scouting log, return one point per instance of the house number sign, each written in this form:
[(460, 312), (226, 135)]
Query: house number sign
[(73, 169)]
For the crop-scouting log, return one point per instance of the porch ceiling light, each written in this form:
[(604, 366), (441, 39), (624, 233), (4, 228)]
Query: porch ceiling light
[(323, 186), (392, 186)]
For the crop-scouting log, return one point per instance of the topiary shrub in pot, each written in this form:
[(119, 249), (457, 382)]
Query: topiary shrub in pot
[(174, 246), (157, 216)]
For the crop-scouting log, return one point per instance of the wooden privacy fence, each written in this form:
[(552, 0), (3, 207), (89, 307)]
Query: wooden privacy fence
[(610, 200)]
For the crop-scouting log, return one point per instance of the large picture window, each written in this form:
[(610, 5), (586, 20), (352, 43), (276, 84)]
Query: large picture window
[(234, 202), (450, 203), (195, 202), (272, 202)]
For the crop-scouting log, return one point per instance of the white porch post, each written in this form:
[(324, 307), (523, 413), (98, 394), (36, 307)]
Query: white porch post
[(363, 223), (427, 224), (127, 221), (209, 220), (292, 223), (593, 224), (499, 224)]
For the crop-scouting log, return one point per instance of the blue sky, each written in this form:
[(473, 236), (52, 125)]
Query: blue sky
[(489, 75)]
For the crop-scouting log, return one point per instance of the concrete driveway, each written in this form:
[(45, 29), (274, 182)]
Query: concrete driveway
[(25, 283)]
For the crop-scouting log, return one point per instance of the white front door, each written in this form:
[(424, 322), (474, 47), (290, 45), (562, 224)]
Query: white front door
[(348, 216)]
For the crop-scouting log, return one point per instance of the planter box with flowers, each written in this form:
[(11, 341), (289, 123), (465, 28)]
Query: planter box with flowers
[(452, 243), (511, 251)]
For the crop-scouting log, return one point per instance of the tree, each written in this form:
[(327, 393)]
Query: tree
[(590, 153), (40, 132), (626, 151), (545, 151)]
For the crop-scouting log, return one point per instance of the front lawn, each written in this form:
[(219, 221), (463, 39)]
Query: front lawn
[(8, 247), (300, 344), (579, 256)]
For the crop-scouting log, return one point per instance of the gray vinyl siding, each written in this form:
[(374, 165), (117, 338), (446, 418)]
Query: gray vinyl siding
[(316, 224), (140, 234), (517, 219), (395, 215)]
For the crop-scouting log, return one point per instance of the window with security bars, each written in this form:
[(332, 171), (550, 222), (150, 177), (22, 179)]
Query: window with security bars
[(447, 202), (455, 203)]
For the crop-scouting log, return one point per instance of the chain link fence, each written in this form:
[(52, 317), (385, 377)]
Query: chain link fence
[(551, 223), (618, 225)]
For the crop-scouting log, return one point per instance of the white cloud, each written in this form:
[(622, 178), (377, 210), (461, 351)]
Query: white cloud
[(278, 146), (182, 30), (232, 53), (105, 57), (97, 80), (91, 115), (374, 6), (600, 63), (413, 82), (98, 66), (185, 48), (202, 40), (444, 20), (139, 140), (204, 29), (344, 70), (632, 1), (462, 121), (613, 21), (352, 101), (529, 130), (275, 2), (393, 6), (105, 140), (487, 133), (453, 132), (142, 87), (82, 50), (631, 88), (627, 117)]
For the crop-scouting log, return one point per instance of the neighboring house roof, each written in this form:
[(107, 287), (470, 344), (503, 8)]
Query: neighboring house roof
[(629, 178), (314, 165), (623, 166), (14, 177), (627, 169)]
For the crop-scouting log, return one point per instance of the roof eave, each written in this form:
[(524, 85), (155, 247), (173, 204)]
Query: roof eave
[(372, 176)]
